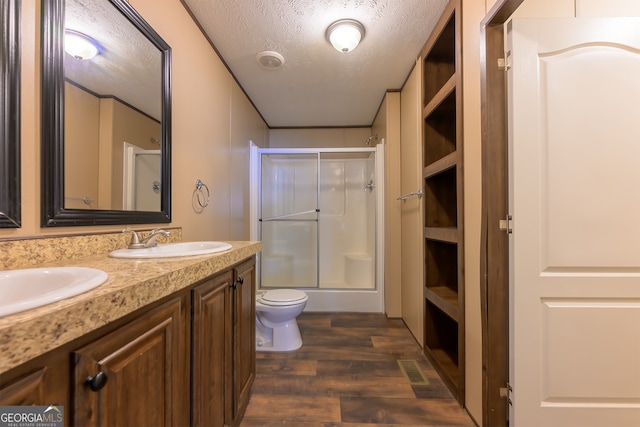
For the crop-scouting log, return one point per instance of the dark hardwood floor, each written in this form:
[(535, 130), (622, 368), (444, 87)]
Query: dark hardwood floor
[(346, 374)]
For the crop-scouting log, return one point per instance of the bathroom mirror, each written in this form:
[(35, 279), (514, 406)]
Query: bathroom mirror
[(10, 116), (106, 120)]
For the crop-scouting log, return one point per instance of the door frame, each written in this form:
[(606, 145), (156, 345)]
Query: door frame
[(494, 251), (131, 151)]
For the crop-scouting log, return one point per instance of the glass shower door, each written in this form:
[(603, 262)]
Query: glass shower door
[(289, 220)]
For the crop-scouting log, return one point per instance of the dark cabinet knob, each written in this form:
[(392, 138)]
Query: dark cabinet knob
[(98, 381), (240, 280), (234, 285)]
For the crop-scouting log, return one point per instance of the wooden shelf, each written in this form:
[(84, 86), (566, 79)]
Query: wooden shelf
[(440, 57), (446, 162), (440, 97), (445, 365), (441, 346), (442, 234), (443, 200), (440, 130), (445, 299)]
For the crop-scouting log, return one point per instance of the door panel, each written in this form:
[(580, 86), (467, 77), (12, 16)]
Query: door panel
[(147, 376), (574, 196), (412, 260), (289, 220), (244, 342), (211, 338), (147, 182)]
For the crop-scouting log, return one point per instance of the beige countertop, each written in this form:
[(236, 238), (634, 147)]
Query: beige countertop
[(132, 284)]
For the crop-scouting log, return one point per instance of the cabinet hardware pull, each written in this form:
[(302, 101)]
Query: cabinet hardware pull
[(97, 382), (241, 280), (234, 285)]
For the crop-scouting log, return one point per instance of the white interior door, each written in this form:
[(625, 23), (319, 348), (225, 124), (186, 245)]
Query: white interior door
[(574, 135)]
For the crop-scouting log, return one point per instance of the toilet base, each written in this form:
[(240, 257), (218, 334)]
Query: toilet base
[(285, 337)]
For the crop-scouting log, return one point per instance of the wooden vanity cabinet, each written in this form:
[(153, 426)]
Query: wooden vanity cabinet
[(244, 338), (211, 343), (27, 389), (186, 360), (223, 356), (138, 374)]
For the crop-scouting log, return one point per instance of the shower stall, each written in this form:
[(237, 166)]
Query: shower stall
[(317, 214)]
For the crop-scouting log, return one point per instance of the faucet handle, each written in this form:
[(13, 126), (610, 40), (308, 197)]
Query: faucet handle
[(159, 231), (135, 239), (134, 236)]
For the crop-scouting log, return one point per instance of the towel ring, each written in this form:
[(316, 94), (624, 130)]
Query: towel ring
[(200, 196)]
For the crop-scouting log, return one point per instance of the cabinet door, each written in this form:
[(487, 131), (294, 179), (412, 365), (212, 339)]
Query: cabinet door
[(244, 347), (211, 350), (145, 367), (27, 390)]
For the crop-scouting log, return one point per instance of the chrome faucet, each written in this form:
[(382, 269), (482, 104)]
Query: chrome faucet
[(147, 242)]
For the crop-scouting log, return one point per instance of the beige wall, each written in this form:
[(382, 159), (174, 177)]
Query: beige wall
[(318, 137), (472, 14), (126, 125), (95, 129), (82, 145), (250, 128), (211, 128), (387, 126)]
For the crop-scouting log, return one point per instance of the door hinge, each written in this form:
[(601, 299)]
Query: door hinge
[(508, 393), (506, 224), (505, 63)]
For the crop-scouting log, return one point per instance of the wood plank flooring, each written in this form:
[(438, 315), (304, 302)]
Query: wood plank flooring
[(346, 375)]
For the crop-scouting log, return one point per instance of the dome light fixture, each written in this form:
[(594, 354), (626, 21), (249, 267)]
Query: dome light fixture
[(345, 34), (79, 45)]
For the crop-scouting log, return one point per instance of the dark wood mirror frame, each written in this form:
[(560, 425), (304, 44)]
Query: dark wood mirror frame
[(10, 206), (54, 214)]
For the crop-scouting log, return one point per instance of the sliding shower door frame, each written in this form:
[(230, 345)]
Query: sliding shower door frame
[(317, 293), (291, 217)]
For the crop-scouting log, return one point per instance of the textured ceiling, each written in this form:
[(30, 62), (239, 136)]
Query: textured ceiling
[(317, 86), (129, 65)]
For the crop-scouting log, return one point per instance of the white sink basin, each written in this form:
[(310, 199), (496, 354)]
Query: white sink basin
[(168, 250), (22, 290)]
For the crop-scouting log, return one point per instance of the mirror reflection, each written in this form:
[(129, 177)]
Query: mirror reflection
[(10, 208), (112, 111), (106, 115)]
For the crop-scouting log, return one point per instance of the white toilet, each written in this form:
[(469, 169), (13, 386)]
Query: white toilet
[(276, 326)]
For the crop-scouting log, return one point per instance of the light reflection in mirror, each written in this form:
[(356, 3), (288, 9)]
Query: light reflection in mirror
[(111, 100), (92, 110)]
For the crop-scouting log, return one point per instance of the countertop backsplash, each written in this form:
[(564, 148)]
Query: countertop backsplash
[(43, 251)]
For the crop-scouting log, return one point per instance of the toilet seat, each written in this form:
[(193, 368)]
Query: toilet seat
[(282, 297)]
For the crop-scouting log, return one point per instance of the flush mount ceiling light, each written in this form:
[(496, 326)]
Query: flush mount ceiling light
[(345, 34), (270, 59), (79, 45)]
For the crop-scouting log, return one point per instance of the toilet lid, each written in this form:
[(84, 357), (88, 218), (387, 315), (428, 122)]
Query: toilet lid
[(283, 297)]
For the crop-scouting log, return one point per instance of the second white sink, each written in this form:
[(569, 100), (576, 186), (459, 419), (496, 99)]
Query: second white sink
[(169, 250), (22, 290)]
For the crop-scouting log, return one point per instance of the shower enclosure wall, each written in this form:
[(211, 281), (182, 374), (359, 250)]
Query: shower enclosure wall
[(317, 220)]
